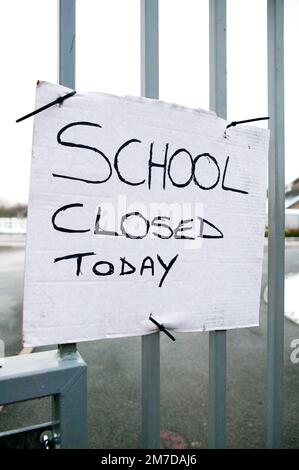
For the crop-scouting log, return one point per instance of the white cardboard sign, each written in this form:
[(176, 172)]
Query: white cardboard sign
[(136, 207)]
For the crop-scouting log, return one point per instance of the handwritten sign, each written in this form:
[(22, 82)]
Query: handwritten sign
[(137, 207)]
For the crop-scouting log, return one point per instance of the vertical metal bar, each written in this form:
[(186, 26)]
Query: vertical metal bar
[(276, 224), (217, 45), (69, 409), (66, 77), (217, 339), (217, 390), (150, 343), (149, 48), (67, 37), (70, 413), (151, 391)]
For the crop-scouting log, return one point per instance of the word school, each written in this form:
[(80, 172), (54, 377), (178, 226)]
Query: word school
[(196, 173)]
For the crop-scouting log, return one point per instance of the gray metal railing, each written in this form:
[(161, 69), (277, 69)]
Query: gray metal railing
[(217, 341), (276, 256), (26, 377), (69, 360)]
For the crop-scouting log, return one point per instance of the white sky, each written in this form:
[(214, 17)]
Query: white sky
[(108, 60)]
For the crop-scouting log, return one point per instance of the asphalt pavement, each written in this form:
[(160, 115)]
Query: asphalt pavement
[(114, 378)]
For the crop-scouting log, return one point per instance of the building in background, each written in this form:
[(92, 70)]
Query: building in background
[(292, 205), (292, 195)]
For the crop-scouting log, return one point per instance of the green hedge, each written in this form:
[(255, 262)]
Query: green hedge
[(290, 232)]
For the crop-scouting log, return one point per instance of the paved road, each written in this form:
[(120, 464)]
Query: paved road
[(11, 293), (114, 378)]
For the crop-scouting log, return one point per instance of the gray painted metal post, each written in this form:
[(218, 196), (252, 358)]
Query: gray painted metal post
[(69, 409), (67, 42), (150, 48), (151, 391), (70, 412), (67, 77), (217, 339), (276, 255), (150, 343)]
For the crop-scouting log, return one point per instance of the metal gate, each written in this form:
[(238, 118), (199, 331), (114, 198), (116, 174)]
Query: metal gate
[(217, 339), (49, 370)]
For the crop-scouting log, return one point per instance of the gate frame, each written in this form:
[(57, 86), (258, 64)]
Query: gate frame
[(30, 372), (42, 374), (61, 374)]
